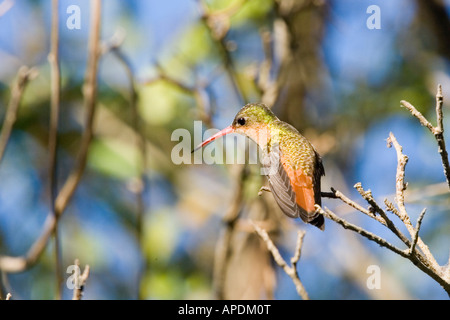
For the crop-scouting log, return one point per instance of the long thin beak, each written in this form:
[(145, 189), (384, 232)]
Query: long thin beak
[(219, 134)]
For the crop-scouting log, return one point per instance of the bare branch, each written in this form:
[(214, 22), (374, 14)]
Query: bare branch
[(291, 271), (423, 259), (390, 207), (374, 208), (55, 84), (367, 195), (24, 75), (55, 80), (437, 131), (439, 113), (400, 184), (416, 113), (90, 95), (336, 194), (80, 280), (347, 225), (417, 259), (298, 249), (415, 237), (439, 134), (400, 199)]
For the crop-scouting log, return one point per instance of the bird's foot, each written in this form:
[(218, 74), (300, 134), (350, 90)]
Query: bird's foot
[(263, 188)]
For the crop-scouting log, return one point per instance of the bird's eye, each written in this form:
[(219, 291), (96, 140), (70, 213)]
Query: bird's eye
[(241, 121)]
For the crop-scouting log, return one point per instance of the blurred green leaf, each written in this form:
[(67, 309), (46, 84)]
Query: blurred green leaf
[(113, 157), (160, 235), (158, 103)]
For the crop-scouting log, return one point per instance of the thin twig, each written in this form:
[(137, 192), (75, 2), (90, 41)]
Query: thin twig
[(439, 134), (369, 235), (400, 199), (400, 185), (298, 249), (437, 131), (416, 113), (336, 194), (439, 113), (291, 271), (367, 195), (90, 102), (374, 208), (24, 75), (415, 237), (55, 81), (390, 207), (80, 280)]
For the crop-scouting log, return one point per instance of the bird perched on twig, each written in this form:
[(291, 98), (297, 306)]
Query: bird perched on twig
[(291, 164)]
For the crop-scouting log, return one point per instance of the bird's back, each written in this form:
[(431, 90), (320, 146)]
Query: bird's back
[(296, 185)]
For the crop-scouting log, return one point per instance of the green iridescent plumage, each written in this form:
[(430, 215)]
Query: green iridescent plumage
[(290, 162)]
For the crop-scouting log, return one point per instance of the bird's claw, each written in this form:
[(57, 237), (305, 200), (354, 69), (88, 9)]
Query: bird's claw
[(263, 188)]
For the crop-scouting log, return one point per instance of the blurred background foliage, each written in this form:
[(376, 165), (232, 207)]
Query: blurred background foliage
[(337, 81)]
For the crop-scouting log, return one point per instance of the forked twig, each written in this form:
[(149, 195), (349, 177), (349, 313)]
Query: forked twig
[(291, 270), (417, 251), (437, 131)]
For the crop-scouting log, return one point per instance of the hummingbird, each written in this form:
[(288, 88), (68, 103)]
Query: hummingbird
[(290, 162)]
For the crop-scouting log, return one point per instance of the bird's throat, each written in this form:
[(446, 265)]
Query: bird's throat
[(261, 134)]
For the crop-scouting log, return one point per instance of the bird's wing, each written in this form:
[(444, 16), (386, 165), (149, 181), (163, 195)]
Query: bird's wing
[(293, 190)]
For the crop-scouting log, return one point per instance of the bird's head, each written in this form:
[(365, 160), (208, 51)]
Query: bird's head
[(253, 121)]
